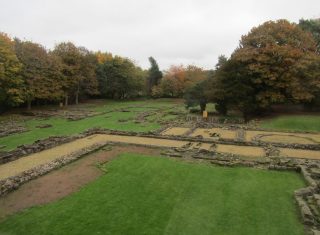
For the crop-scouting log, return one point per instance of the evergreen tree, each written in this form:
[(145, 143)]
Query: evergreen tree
[(154, 75)]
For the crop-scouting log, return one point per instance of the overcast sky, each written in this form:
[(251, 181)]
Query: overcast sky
[(172, 31)]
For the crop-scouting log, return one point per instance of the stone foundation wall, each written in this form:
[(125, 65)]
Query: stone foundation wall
[(308, 199), (12, 183), (37, 146), (53, 141), (9, 128)]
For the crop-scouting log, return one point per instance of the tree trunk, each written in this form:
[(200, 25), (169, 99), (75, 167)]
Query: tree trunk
[(66, 100), (77, 97), (77, 93), (29, 104), (203, 106)]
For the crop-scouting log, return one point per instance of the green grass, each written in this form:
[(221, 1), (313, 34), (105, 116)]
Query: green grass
[(153, 195), (293, 123), (109, 120)]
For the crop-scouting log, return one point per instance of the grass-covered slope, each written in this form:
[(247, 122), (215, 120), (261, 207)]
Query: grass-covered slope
[(293, 123), (113, 119), (153, 195)]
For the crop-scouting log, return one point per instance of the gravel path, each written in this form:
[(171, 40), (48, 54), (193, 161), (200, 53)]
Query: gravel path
[(46, 156)]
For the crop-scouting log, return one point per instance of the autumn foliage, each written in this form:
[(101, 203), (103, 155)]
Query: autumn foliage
[(29, 73), (275, 63), (177, 80)]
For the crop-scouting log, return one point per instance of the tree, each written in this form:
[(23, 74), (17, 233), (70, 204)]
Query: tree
[(119, 78), (230, 89), (194, 75), (11, 83), (154, 75), (222, 59), (37, 73), (312, 26), (87, 82), (71, 63), (271, 53), (178, 79), (78, 69), (103, 56), (195, 95), (172, 84), (270, 66)]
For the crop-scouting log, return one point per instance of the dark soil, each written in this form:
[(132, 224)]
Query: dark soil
[(64, 181)]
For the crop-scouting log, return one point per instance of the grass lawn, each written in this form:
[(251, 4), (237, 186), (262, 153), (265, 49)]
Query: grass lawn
[(153, 195), (110, 120), (294, 123)]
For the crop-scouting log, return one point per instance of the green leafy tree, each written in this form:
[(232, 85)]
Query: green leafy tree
[(11, 83), (195, 95), (38, 72), (230, 89), (78, 69), (119, 78), (70, 66), (222, 59), (87, 82)]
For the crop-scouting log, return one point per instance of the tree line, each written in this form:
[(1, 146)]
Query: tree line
[(277, 62), (31, 74)]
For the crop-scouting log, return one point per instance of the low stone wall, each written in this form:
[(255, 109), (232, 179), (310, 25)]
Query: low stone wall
[(53, 141), (12, 183), (9, 128), (37, 146), (252, 126), (206, 140), (308, 199), (215, 120)]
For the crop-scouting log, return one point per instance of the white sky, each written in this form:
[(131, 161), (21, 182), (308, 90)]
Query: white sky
[(172, 31)]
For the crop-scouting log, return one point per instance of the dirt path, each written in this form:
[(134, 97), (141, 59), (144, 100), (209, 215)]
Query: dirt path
[(37, 159), (63, 181)]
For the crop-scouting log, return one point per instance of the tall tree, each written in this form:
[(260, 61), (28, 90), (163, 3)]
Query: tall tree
[(119, 78), (178, 79), (78, 68), (194, 76), (11, 83), (37, 73), (87, 83), (268, 68), (195, 95), (312, 26), (154, 75), (222, 59)]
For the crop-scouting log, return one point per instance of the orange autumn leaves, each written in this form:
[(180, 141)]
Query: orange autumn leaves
[(178, 79)]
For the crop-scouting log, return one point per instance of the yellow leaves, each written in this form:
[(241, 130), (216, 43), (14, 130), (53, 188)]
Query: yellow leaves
[(103, 57)]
